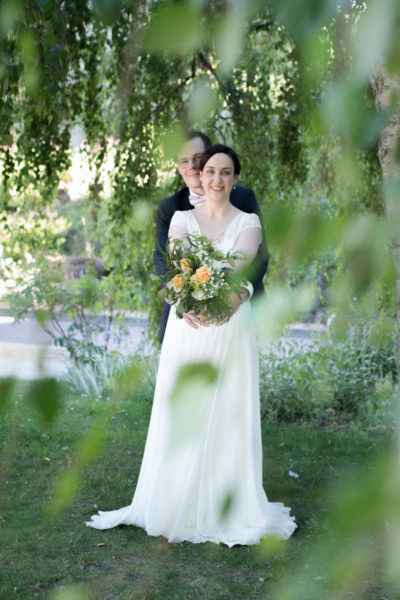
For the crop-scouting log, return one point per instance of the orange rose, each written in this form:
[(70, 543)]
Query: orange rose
[(185, 265), (203, 274), (177, 282)]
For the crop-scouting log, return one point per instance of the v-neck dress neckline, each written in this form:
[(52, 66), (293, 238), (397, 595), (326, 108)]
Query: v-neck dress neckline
[(220, 238)]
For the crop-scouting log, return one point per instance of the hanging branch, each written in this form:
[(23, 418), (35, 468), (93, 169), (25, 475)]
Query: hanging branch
[(260, 27)]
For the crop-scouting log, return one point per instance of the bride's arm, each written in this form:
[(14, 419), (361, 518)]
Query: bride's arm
[(176, 233), (247, 244)]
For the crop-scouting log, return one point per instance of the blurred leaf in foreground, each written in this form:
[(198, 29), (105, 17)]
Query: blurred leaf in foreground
[(6, 387), (71, 592), (175, 28), (193, 383), (171, 141), (360, 535), (45, 395)]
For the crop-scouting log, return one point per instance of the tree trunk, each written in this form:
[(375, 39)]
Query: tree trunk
[(387, 94)]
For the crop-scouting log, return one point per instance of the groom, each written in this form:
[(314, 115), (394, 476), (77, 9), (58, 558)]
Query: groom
[(185, 199)]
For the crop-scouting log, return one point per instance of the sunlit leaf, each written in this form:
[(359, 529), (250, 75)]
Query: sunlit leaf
[(202, 101), (188, 401), (171, 141), (304, 19), (280, 307), (65, 490), (278, 222), (142, 215), (192, 379), (10, 13), (70, 592), (270, 545), (6, 388), (175, 28), (90, 445), (130, 377), (45, 395), (107, 10), (393, 554), (226, 505), (229, 35), (375, 29)]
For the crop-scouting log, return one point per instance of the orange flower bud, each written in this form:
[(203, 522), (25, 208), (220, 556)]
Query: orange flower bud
[(177, 283), (185, 265)]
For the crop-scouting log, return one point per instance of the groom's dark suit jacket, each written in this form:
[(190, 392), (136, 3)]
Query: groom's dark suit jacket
[(241, 197)]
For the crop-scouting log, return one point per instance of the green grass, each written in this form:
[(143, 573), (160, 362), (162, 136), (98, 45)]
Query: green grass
[(39, 554)]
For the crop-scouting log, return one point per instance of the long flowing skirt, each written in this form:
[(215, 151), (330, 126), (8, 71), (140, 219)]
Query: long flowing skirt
[(201, 474)]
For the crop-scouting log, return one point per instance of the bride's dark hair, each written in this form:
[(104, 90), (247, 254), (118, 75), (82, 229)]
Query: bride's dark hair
[(220, 149)]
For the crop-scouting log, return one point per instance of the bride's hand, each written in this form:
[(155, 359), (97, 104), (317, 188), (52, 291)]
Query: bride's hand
[(192, 319), (196, 320)]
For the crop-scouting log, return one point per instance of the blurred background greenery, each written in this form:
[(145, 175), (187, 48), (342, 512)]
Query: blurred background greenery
[(95, 96)]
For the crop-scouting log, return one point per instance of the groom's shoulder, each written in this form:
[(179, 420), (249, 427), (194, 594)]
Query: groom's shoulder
[(243, 198), (240, 190), (174, 201)]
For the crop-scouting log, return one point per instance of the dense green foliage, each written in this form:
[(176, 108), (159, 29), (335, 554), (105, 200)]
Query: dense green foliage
[(331, 382), (100, 66)]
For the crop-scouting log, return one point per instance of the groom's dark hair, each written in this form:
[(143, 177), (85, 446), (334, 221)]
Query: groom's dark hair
[(191, 135)]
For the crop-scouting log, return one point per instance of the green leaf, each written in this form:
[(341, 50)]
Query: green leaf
[(193, 379), (229, 35), (107, 10), (202, 101), (226, 505), (174, 28), (180, 310), (65, 490), (45, 395), (90, 445), (6, 387), (189, 396), (71, 592), (171, 141)]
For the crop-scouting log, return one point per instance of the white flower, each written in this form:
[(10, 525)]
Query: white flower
[(199, 295)]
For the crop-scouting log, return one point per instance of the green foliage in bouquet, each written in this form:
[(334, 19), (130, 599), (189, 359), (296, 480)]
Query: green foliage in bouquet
[(200, 277)]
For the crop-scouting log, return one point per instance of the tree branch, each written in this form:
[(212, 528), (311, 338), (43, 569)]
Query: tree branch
[(206, 63), (260, 27)]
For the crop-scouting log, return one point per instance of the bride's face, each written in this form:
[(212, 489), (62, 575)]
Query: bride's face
[(218, 177)]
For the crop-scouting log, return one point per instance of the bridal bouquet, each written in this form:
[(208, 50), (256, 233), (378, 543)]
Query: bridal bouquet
[(200, 278)]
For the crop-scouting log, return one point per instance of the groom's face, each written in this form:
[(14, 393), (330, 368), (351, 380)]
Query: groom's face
[(188, 164)]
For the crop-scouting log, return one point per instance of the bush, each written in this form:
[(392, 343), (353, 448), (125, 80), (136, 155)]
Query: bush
[(99, 378), (330, 379)]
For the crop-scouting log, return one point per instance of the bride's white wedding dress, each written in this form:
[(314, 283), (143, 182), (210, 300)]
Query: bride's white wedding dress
[(201, 474)]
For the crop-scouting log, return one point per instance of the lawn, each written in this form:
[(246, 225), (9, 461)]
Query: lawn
[(40, 555)]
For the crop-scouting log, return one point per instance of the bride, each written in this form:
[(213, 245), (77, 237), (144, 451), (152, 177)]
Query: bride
[(201, 474)]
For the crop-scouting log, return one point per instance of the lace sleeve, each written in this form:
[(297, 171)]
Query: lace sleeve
[(179, 220), (179, 226)]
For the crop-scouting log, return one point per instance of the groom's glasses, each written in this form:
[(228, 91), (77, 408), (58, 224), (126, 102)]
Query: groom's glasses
[(185, 162)]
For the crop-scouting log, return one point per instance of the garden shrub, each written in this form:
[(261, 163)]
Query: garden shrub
[(355, 377)]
